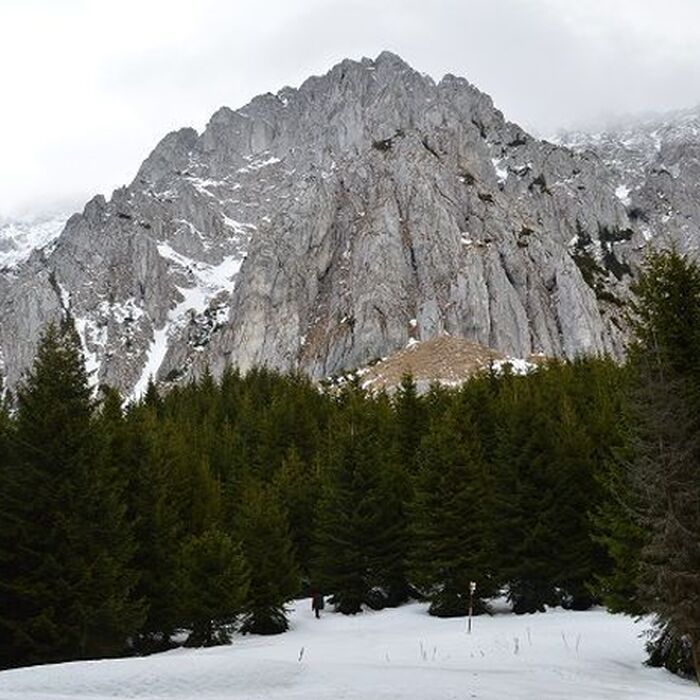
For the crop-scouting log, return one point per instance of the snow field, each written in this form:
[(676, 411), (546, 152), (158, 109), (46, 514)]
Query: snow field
[(385, 655)]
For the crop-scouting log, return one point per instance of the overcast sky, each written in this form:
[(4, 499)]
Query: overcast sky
[(89, 86)]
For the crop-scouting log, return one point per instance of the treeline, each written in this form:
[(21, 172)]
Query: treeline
[(207, 509), (220, 501)]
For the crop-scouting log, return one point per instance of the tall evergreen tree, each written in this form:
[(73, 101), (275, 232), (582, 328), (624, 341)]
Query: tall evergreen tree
[(356, 556), (452, 526), (410, 423), (527, 512), (390, 492), (578, 558), (665, 473), (341, 563), (297, 485), (261, 526), (67, 592), (157, 514), (617, 529)]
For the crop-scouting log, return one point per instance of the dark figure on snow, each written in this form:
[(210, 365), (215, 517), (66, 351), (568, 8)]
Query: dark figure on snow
[(317, 603)]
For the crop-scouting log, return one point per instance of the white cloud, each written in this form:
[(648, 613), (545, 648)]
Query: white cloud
[(89, 86)]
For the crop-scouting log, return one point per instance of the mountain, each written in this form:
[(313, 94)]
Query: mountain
[(323, 227), (19, 237)]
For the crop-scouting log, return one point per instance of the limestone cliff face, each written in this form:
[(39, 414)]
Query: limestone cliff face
[(326, 226)]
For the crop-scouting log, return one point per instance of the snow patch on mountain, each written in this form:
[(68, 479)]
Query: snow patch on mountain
[(92, 336), (501, 172), (154, 359), (208, 282), (623, 194)]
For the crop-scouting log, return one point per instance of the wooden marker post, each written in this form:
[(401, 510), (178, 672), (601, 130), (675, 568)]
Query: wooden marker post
[(472, 589)]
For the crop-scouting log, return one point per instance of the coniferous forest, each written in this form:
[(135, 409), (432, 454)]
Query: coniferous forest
[(125, 529)]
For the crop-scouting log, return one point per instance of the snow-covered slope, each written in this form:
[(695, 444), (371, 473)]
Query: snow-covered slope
[(394, 654), (632, 145), (19, 237)]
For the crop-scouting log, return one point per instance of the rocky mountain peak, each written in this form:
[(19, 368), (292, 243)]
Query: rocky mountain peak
[(172, 153)]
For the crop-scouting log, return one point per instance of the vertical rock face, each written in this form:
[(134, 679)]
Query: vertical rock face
[(325, 226)]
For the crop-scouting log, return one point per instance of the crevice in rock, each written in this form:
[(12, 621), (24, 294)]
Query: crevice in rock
[(429, 148)]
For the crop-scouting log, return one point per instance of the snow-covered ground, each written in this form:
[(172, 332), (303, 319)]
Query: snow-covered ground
[(385, 655)]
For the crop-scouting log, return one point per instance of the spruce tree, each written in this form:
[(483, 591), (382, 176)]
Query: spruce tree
[(261, 525), (341, 564), (67, 592), (215, 581), (452, 516), (664, 473), (391, 492), (578, 558), (526, 513), (410, 423), (156, 511), (622, 537), (358, 546), (297, 485)]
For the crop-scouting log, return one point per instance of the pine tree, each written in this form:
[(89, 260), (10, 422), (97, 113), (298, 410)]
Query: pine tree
[(617, 529), (578, 558), (151, 397), (215, 581), (261, 525), (547, 494), (67, 592), (410, 423), (341, 564), (391, 491)]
